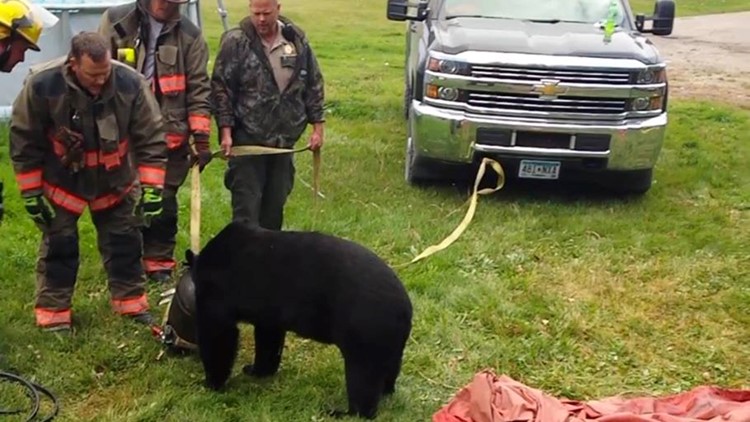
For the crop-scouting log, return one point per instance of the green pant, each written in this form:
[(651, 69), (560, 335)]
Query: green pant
[(260, 186), (120, 245)]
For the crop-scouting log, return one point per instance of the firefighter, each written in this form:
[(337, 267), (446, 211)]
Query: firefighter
[(21, 26), (169, 50), (86, 131)]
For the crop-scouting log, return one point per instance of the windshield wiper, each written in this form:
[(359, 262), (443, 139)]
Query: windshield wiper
[(553, 21), (544, 20), (473, 16)]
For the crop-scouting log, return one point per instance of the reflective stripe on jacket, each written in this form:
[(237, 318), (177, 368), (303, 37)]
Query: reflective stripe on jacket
[(123, 130), (181, 81)]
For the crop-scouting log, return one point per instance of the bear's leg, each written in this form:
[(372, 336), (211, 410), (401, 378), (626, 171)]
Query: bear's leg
[(391, 371), (269, 345), (217, 338), (364, 385)]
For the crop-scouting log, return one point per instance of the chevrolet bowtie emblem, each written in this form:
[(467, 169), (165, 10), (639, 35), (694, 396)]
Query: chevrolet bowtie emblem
[(549, 88)]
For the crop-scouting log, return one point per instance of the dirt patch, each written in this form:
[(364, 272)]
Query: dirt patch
[(708, 57)]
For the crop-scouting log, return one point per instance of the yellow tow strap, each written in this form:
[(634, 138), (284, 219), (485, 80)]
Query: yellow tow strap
[(262, 150), (470, 212), (195, 236), (195, 233), (241, 150), (195, 188), (195, 210)]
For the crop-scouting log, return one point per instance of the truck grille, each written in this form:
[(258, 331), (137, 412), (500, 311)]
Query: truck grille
[(528, 74), (497, 102)]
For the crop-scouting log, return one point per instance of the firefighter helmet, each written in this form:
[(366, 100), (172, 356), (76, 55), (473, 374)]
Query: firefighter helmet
[(24, 19)]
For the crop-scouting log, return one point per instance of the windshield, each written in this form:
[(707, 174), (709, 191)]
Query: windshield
[(583, 11)]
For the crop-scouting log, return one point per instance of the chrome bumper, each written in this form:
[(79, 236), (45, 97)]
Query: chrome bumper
[(450, 135)]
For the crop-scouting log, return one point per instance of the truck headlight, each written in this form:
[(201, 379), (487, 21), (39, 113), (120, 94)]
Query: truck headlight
[(647, 103), (450, 67), (444, 93), (652, 75)]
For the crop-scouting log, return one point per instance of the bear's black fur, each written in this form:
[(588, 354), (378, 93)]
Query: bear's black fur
[(318, 286)]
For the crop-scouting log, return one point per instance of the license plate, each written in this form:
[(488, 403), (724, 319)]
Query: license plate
[(533, 169)]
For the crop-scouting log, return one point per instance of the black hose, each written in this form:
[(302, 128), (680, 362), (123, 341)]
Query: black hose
[(33, 390)]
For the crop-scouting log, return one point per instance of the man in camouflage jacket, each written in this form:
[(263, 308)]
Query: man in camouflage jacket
[(266, 88), (169, 50), (86, 132)]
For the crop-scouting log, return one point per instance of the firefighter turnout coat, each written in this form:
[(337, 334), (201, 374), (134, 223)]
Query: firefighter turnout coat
[(123, 138), (180, 80)]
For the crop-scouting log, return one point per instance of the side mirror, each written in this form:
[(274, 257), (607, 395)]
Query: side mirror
[(401, 10), (663, 18)]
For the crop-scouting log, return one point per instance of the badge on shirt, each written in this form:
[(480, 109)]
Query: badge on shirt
[(288, 49), (288, 60)]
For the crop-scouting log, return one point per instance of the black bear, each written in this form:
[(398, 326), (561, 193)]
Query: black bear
[(315, 285)]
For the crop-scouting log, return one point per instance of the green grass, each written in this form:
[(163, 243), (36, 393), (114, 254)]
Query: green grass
[(694, 7), (569, 290)]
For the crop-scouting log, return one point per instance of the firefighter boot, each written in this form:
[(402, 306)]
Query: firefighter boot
[(143, 318), (160, 277)]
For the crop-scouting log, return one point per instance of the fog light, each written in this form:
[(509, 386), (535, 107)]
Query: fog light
[(448, 94), (641, 104)]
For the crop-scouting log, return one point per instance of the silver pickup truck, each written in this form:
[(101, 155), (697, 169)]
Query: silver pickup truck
[(552, 89)]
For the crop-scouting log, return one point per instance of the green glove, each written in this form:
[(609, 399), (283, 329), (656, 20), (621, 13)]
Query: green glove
[(40, 210), (151, 203)]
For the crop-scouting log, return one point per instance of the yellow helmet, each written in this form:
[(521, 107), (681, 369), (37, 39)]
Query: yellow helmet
[(25, 19)]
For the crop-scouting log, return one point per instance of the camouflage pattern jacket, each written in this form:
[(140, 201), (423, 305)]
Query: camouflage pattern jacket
[(120, 142), (181, 83), (245, 95)]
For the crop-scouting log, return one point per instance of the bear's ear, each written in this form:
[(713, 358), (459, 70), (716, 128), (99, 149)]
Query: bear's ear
[(189, 257)]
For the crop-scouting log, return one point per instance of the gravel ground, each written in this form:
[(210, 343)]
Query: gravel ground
[(708, 57)]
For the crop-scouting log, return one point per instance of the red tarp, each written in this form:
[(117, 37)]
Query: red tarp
[(489, 398)]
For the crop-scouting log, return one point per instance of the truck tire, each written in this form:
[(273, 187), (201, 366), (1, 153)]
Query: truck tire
[(407, 100), (416, 171), (636, 182), (421, 171)]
